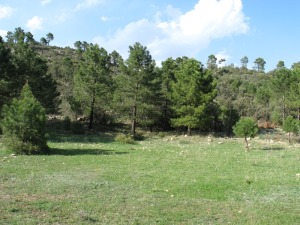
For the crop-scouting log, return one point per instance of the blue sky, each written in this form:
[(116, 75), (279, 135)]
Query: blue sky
[(229, 29)]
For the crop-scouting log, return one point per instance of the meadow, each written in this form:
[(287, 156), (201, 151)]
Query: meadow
[(163, 179)]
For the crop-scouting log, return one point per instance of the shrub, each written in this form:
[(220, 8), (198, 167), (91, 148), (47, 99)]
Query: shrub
[(139, 137), (161, 134), (77, 127), (23, 124), (290, 126), (67, 123), (297, 127), (124, 138), (245, 127)]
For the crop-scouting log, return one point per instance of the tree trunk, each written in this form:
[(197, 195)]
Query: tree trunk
[(92, 114), (283, 113), (299, 113), (189, 131), (133, 121), (247, 144), (290, 137), (151, 128)]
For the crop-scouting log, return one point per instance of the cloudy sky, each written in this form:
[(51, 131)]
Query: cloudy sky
[(229, 29)]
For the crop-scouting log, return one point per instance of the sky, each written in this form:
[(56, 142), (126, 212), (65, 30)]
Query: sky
[(229, 29)]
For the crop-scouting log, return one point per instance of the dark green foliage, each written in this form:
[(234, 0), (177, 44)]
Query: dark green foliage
[(23, 125), (49, 37), (137, 85), (281, 84), (290, 125), (69, 82), (280, 64), (62, 70), (259, 64), (212, 62), (244, 62), (246, 127), (93, 82), (7, 70), (67, 123), (263, 100), (139, 136), (168, 70), (228, 117), (43, 41), (192, 92), (77, 127), (294, 93), (29, 67)]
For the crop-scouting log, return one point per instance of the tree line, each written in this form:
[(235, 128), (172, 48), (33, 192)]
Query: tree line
[(182, 93)]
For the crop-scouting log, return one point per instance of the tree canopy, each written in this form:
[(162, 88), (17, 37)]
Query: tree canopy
[(89, 82), (192, 92), (24, 123), (136, 86), (247, 128), (92, 82)]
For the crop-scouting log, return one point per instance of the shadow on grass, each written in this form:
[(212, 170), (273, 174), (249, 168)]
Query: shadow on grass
[(272, 148), (75, 152), (61, 138)]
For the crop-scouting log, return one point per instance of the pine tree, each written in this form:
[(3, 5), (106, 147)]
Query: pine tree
[(92, 82), (29, 66), (137, 87), (23, 124), (7, 72), (290, 126), (168, 69), (192, 93), (245, 127)]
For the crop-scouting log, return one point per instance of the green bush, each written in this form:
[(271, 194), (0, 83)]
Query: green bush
[(290, 125), (139, 137), (124, 138), (246, 127), (77, 127), (297, 127), (67, 123), (161, 134), (23, 125)]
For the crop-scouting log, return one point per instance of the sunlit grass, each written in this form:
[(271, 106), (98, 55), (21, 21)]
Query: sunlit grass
[(171, 180)]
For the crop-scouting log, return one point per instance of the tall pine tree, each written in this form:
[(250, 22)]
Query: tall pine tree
[(192, 93), (137, 87), (7, 71), (92, 82), (31, 68)]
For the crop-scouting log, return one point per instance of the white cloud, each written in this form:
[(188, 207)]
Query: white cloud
[(3, 33), (173, 34), (63, 15), (45, 2), (66, 13), (5, 11), (87, 4), (35, 23), (104, 18), (222, 55)]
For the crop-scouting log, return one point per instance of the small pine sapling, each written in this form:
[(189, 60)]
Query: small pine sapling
[(245, 127), (290, 126)]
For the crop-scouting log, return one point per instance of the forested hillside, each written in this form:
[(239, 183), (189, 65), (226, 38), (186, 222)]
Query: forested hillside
[(87, 82)]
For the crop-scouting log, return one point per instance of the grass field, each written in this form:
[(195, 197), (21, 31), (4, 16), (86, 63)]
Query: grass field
[(91, 179)]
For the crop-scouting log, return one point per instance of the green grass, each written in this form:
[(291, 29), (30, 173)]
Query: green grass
[(91, 179)]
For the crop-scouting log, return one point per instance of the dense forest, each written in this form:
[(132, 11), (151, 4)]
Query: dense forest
[(99, 88)]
